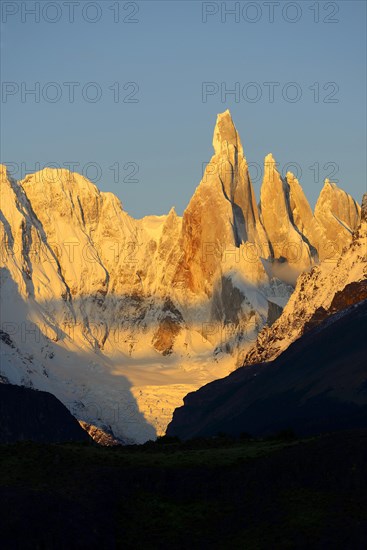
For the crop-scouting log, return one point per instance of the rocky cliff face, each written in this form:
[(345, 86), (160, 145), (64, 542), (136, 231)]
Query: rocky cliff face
[(326, 289), (221, 216), (337, 216), (120, 318), (288, 243)]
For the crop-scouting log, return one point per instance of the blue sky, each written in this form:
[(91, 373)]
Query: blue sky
[(168, 53)]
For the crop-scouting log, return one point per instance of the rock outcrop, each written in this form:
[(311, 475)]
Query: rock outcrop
[(102, 436)]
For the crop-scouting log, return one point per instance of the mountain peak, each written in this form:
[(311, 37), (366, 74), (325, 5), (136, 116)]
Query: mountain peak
[(270, 161), (328, 183), (56, 181), (172, 213), (270, 167), (225, 133), (290, 177)]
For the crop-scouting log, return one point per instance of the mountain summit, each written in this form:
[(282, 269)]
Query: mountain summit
[(225, 133)]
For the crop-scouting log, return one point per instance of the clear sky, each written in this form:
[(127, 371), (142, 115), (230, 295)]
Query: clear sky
[(158, 129)]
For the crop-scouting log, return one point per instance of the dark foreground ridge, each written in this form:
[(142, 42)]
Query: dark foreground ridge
[(26, 414), (318, 384), (213, 493)]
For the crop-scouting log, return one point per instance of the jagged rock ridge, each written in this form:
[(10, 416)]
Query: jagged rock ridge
[(326, 289)]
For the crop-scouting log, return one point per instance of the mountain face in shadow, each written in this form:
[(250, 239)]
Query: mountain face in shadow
[(29, 415), (318, 384)]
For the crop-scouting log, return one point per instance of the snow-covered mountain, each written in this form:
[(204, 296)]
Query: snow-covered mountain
[(120, 318)]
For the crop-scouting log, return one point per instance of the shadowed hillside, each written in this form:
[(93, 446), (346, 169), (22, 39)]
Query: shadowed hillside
[(317, 385), (27, 414)]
